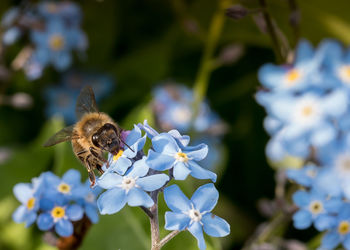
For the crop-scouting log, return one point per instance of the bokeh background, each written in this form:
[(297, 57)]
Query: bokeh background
[(134, 47)]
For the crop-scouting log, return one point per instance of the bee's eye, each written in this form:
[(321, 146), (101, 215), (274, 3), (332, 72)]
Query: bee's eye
[(95, 140)]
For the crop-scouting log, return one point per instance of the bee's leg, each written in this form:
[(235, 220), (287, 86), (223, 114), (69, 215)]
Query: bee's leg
[(99, 168), (97, 155), (90, 170)]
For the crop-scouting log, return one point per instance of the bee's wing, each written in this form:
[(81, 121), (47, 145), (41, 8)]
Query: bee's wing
[(64, 134), (86, 102)]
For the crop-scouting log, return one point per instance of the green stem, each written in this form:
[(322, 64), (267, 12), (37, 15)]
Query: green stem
[(205, 68), (272, 32)]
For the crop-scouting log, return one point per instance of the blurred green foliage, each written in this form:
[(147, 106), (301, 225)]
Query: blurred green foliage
[(142, 43)]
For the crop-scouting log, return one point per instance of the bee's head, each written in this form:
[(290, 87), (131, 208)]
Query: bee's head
[(107, 138)]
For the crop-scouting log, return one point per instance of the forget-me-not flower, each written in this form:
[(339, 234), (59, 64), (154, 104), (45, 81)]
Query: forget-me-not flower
[(131, 188), (168, 154), (194, 215)]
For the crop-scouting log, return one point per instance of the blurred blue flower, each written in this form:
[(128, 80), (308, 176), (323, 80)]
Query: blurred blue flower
[(130, 188), (339, 232), (172, 105), (29, 195), (55, 43), (168, 154), (314, 207), (58, 213), (194, 215), (304, 176), (62, 99)]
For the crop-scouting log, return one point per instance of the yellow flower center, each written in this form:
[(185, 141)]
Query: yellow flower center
[(63, 188), (343, 227), (31, 203), (344, 73), (316, 207), (181, 157), (116, 157), (292, 76), (58, 212), (56, 42), (307, 111)]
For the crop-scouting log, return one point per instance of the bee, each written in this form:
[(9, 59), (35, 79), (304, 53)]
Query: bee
[(93, 134)]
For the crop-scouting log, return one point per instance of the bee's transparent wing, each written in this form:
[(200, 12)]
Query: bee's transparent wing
[(86, 102), (64, 134)]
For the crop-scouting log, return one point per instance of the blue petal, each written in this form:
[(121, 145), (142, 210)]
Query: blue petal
[(324, 134), (324, 222), (215, 226), (139, 169), (133, 136), (346, 242), (196, 230), (301, 198), (137, 197), (91, 213), (159, 161), (20, 214), (75, 212), (176, 200), (151, 132), (45, 221), (64, 228), (197, 153), (109, 180), (111, 201), (121, 165), (136, 147), (46, 204), (330, 240), (201, 173), (152, 182), (183, 140), (302, 219), (72, 176), (62, 60), (336, 103), (30, 218), (23, 192), (181, 171), (176, 221), (165, 143), (205, 198)]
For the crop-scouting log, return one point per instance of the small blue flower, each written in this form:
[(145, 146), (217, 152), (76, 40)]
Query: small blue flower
[(130, 188), (304, 176), (194, 215), (314, 207), (55, 43), (168, 154), (66, 187), (339, 232), (29, 196), (59, 214)]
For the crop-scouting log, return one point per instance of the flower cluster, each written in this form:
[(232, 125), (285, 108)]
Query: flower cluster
[(54, 31), (133, 178), (61, 99), (172, 105), (308, 117), (54, 203)]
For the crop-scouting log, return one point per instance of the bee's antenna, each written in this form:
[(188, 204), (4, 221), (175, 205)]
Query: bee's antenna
[(126, 144)]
